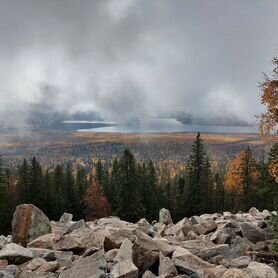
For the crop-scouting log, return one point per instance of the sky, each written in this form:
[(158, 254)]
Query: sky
[(128, 58)]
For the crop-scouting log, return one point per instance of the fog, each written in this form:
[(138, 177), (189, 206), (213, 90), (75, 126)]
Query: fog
[(134, 58)]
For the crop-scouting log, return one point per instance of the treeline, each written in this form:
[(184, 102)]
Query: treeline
[(133, 190)]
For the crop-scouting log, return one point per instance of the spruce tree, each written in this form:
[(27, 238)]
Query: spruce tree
[(81, 186), (59, 191), (69, 190), (23, 183), (196, 165), (5, 204), (129, 205), (35, 183)]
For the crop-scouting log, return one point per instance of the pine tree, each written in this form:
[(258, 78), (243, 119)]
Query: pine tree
[(219, 193), (23, 183), (5, 204), (129, 205), (59, 191), (113, 184), (207, 187), (81, 187), (35, 183), (69, 190), (196, 165)]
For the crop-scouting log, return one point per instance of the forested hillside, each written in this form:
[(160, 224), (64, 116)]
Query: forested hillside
[(133, 189)]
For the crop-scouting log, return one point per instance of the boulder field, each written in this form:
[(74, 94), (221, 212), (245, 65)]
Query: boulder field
[(207, 246)]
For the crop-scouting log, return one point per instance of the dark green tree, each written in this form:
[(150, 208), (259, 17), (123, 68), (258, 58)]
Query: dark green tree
[(35, 183), (5, 204), (129, 206), (196, 165), (23, 190)]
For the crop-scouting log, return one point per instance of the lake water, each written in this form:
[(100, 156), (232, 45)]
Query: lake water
[(170, 125)]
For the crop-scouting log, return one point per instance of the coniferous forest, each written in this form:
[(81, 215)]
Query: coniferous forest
[(132, 189)]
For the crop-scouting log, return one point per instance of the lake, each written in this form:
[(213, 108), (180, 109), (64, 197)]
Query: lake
[(169, 125)]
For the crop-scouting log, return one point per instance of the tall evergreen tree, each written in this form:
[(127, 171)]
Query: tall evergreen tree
[(196, 165), (59, 191), (35, 183), (81, 186), (69, 190), (5, 205), (129, 205), (23, 183)]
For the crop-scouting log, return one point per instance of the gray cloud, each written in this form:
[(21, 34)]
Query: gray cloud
[(127, 58)]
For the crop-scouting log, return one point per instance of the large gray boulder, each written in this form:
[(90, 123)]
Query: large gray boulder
[(259, 270), (125, 251), (190, 264), (92, 266), (236, 273), (45, 241), (166, 266), (15, 253), (125, 269), (252, 232), (165, 217), (29, 223)]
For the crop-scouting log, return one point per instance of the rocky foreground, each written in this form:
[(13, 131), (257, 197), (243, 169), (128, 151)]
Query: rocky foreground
[(211, 245)]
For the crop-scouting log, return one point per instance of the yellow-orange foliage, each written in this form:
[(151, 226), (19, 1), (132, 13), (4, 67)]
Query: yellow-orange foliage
[(273, 170), (235, 179), (269, 98)]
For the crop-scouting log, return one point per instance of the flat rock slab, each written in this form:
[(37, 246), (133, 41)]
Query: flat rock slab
[(89, 267), (15, 253)]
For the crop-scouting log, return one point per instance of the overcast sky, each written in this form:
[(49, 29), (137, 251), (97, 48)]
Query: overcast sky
[(127, 58)]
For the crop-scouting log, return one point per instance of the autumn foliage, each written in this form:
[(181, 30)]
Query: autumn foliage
[(269, 98), (96, 203)]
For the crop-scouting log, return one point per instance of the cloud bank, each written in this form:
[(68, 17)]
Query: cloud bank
[(128, 58)]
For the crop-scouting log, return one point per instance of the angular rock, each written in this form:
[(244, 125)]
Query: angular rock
[(159, 245), (45, 241), (48, 267), (144, 226), (3, 263), (220, 249), (125, 269), (4, 240), (236, 273), (240, 262), (240, 246), (165, 217), (196, 246), (180, 230), (189, 264), (34, 264), (110, 255), (205, 227), (69, 243), (158, 230), (125, 251), (93, 266), (259, 270), (220, 237), (143, 258), (166, 266), (8, 272), (148, 274), (252, 232), (115, 238), (15, 253), (25, 274), (66, 218), (29, 223)]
